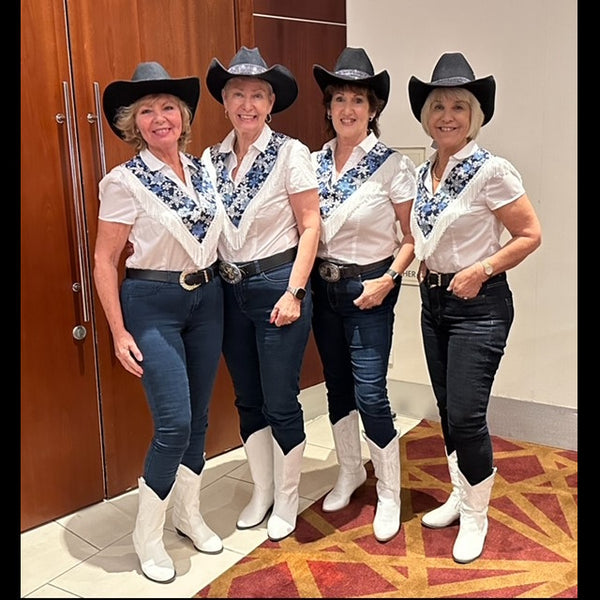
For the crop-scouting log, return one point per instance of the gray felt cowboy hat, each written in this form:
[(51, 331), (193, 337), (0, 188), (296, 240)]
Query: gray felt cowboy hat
[(453, 70), (354, 66), (249, 63), (148, 78)]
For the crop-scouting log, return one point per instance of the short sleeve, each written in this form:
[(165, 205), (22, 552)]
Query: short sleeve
[(116, 200), (301, 175), (404, 183), (504, 184)]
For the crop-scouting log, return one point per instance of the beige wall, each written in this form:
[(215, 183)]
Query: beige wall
[(530, 46)]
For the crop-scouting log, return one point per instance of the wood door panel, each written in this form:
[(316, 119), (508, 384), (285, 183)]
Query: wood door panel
[(317, 10), (61, 453), (299, 45)]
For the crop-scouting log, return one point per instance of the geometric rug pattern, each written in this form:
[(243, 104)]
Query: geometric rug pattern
[(530, 549)]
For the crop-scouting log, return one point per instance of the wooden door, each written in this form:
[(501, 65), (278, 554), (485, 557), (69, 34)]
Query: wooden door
[(85, 426)]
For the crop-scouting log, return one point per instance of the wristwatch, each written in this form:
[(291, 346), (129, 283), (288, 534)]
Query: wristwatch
[(396, 277), (296, 292), (487, 268)]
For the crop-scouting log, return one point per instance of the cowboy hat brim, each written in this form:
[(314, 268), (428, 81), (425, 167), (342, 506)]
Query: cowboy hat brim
[(124, 93), (483, 89), (380, 83), (279, 77)]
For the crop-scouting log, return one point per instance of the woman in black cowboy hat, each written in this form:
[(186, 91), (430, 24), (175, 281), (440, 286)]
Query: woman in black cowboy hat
[(270, 235), (466, 199), (366, 190), (166, 318)]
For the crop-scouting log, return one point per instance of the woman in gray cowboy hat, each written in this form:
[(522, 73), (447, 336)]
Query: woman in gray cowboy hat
[(467, 199), (166, 317), (366, 192), (267, 248)]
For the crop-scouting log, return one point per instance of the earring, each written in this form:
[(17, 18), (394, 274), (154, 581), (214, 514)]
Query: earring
[(371, 118), (329, 116), (269, 118)]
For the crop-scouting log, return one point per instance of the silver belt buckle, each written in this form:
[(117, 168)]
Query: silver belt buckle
[(329, 272), (230, 272), (182, 282)]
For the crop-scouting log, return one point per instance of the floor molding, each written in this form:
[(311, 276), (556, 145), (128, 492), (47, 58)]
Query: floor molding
[(513, 419)]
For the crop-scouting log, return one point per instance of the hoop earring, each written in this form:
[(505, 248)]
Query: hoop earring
[(269, 118), (371, 118), (329, 116)]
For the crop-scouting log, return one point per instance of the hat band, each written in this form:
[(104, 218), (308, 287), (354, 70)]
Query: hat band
[(246, 69), (451, 81), (353, 74)]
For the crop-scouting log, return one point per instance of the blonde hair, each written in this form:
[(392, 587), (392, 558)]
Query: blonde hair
[(125, 122), (457, 94)]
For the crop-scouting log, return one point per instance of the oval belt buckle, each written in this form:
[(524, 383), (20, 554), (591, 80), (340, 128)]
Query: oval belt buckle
[(329, 272), (184, 284), (230, 272)]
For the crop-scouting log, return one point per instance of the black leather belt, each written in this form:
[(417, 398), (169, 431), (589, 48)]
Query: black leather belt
[(332, 272), (235, 272), (188, 280), (433, 279)]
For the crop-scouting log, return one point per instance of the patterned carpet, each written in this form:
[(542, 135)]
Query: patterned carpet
[(530, 551)]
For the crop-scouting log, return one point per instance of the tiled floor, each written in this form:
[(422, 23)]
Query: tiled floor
[(89, 554)]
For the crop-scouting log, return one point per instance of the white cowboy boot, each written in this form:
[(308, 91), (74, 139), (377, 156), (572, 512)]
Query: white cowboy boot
[(148, 535), (447, 513), (259, 451), (286, 470), (186, 512), (474, 502), (386, 463), (352, 473)]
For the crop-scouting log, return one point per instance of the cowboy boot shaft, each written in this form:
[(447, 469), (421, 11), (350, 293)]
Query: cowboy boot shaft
[(259, 452), (147, 536), (286, 470), (386, 463), (186, 516), (447, 513), (352, 473), (474, 503)]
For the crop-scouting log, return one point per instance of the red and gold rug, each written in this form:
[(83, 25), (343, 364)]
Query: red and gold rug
[(530, 550)]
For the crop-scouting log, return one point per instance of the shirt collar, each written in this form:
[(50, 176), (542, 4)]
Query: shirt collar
[(260, 143), (155, 164), (366, 145)]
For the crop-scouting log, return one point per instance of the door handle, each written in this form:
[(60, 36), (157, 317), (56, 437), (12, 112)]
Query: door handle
[(77, 202)]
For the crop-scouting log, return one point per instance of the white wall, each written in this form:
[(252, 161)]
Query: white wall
[(530, 46)]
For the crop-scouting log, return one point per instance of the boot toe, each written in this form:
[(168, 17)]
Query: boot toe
[(278, 529)]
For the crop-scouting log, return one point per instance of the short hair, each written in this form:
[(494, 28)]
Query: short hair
[(375, 103), (457, 94), (125, 122)]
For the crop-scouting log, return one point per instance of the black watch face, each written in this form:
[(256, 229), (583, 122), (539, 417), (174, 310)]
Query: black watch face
[(300, 293)]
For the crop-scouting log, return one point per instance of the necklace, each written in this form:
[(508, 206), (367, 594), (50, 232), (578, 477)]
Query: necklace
[(435, 177)]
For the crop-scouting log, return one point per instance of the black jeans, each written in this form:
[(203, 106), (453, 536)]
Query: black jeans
[(464, 341)]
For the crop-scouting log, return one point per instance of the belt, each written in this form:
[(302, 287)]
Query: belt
[(332, 272), (188, 280), (433, 279), (235, 272)]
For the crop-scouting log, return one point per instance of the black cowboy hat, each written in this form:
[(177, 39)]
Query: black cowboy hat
[(354, 66), (249, 63), (453, 70), (148, 78)]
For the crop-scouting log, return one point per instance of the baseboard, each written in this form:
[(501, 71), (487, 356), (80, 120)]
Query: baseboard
[(544, 424)]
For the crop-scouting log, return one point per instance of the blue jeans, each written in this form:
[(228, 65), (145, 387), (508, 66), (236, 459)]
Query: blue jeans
[(354, 346), (264, 361), (179, 333), (464, 341)]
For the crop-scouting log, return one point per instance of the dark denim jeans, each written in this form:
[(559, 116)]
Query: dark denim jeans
[(265, 360), (354, 346), (464, 341), (179, 333)]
